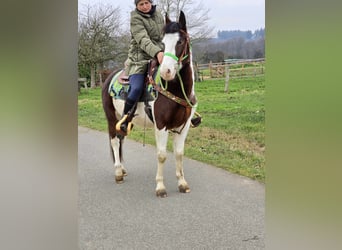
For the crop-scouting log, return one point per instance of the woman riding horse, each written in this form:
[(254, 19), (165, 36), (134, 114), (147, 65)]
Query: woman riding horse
[(146, 27), (172, 109)]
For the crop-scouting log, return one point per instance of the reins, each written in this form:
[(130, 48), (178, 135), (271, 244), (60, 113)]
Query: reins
[(184, 102)]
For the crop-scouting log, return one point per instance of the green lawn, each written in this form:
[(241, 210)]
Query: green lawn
[(232, 133)]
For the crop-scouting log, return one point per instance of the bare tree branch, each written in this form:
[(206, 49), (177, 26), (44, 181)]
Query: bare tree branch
[(100, 31), (196, 16)]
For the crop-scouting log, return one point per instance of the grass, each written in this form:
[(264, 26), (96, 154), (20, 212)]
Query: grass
[(232, 133)]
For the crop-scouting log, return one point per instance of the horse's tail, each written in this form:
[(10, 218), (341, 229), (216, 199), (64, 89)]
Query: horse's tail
[(109, 110)]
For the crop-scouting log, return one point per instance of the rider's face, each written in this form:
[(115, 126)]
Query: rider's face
[(144, 6)]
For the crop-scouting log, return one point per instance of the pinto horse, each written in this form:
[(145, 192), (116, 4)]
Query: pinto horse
[(172, 109)]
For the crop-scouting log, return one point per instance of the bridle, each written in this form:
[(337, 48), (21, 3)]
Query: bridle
[(183, 55)]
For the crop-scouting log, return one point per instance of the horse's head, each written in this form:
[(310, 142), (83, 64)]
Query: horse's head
[(177, 48)]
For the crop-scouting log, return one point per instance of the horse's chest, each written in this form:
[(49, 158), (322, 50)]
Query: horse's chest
[(170, 115)]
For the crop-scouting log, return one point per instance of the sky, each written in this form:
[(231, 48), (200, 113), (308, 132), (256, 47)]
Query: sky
[(224, 14)]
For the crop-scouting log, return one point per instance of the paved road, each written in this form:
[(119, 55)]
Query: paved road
[(222, 211)]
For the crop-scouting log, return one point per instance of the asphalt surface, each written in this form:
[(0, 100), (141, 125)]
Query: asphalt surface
[(222, 211)]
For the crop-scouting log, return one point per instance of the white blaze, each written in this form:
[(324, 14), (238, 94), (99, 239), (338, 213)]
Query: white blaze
[(169, 66)]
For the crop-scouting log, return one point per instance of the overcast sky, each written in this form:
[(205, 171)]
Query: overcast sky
[(224, 14)]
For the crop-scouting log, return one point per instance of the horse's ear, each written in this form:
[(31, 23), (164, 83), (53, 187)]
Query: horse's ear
[(182, 21), (167, 19)]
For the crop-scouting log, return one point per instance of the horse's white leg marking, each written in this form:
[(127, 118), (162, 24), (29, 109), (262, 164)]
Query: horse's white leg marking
[(161, 141), (119, 169), (178, 149)]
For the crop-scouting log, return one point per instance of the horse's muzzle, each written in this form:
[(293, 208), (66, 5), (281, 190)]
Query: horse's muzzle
[(167, 74), (168, 69)]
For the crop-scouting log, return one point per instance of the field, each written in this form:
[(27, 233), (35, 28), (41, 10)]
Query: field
[(231, 135)]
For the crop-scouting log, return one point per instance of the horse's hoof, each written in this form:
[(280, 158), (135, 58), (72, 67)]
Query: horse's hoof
[(119, 179), (183, 189), (161, 193)]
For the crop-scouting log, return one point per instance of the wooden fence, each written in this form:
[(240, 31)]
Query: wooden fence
[(229, 69)]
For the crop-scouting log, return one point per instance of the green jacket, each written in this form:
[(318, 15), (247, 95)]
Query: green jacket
[(146, 40)]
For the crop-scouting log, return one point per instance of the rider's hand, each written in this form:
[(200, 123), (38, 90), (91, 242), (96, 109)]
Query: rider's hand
[(160, 56)]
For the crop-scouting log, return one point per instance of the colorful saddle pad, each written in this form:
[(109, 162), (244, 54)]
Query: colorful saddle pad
[(120, 91)]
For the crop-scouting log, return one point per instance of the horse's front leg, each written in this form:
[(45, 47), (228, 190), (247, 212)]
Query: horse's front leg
[(178, 148), (161, 141), (120, 171)]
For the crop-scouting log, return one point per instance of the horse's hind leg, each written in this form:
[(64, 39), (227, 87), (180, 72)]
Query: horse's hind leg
[(115, 141), (120, 171), (178, 148), (161, 141)]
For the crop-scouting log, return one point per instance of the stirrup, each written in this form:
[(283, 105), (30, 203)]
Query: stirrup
[(195, 122), (122, 128)]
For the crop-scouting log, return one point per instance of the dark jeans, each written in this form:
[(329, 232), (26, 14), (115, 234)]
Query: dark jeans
[(137, 85)]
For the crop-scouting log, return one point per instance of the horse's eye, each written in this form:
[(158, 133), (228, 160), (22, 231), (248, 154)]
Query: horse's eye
[(179, 42)]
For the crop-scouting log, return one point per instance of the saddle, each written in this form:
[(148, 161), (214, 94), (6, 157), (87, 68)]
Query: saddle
[(123, 78), (152, 69)]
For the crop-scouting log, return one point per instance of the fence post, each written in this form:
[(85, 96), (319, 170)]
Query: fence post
[(197, 73), (211, 69), (226, 89)]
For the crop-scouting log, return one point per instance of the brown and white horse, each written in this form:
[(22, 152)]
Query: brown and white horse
[(172, 109)]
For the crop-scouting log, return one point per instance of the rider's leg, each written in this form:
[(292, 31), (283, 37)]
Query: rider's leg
[(137, 82)]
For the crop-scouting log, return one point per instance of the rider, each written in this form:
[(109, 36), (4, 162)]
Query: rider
[(146, 27)]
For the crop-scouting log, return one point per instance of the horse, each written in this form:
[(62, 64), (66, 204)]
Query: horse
[(172, 109)]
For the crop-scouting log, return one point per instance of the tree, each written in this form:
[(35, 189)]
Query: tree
[(260, 48), (196, 16), (233, 48), (99, 34)]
